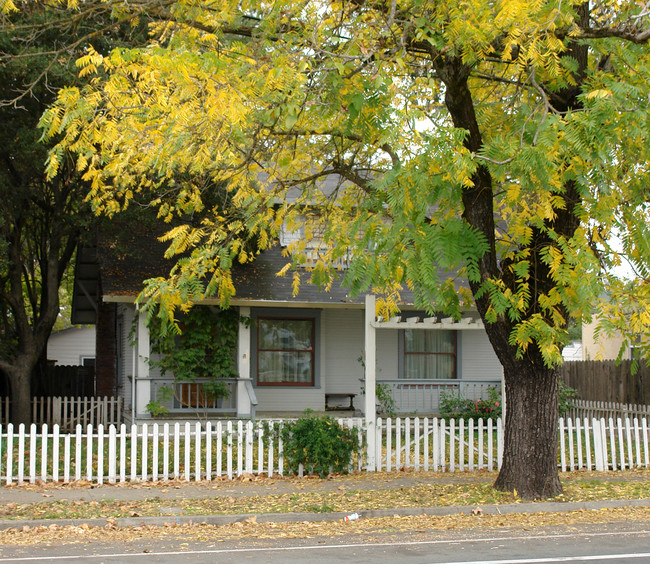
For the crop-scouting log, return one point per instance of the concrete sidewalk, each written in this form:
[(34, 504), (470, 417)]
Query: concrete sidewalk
[(254, 487)]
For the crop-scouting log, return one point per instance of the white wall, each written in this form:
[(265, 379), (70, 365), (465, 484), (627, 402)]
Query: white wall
[(477, 358), (67, 347)]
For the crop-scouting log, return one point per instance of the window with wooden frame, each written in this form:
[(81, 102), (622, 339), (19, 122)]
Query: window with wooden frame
[(429, 354), (285, 351)]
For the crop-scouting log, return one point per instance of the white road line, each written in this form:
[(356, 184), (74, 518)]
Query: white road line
[(371, 545), (593, 558)]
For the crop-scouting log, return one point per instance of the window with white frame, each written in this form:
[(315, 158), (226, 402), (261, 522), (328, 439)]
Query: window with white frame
[(429, 354)]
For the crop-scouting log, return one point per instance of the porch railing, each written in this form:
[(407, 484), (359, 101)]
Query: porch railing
[(423, 396), (183, 397)]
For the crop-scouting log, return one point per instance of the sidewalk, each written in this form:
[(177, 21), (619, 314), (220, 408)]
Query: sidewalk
[(249, 486)]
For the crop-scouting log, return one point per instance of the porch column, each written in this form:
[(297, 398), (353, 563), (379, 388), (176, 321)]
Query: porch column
[(244, 364), (142, 351), (370, 350)]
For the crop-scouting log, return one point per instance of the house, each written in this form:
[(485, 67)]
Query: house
[(602, 346), (309, 351), (73, 346)]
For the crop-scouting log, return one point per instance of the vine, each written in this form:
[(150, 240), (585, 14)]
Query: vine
[(206, 350)]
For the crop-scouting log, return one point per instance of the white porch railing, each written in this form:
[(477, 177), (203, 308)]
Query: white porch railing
[(184, 397), (423, 396), (227, 449)]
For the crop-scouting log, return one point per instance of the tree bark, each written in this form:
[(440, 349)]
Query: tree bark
[(529, 463), (20, 379)]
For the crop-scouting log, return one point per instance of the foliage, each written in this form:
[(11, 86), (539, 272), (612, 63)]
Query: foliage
[(503, 142), (205, 349), (565, 398), (319, 443), (454, 406), (384, 397)]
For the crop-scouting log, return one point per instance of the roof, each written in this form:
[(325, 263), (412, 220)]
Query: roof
[(114, 266)]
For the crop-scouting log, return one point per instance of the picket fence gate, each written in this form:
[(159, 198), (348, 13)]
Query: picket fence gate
[(227, 449)]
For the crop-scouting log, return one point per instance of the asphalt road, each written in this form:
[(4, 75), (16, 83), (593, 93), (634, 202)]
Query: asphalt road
[(609, 543)]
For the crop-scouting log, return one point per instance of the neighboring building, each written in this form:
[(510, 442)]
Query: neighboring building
[(603, 347), (298, 353), (573, 351), (74, 346)]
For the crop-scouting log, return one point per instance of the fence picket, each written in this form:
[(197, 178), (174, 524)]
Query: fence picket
[(32, 454), (55, 454), (187, 443), (628, 436), (66, 458), (197, 452), (229, 451), (155, 443), (134, 452), (208, 451), (100, 454), (389, 444), (425, 454), (145, 452), (452, 445), (44, 442), (21, 453), (122, 452), (240, 442), (10, 452), (112, 455)]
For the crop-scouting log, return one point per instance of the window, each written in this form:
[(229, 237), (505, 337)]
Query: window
[(429, 354), (285, 351)]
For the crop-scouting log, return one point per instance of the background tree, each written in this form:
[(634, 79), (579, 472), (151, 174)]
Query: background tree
[(41, 218), (501, 141)]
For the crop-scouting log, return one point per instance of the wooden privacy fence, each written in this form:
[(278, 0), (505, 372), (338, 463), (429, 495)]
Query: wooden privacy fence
[(605, 380), (68, 412), (227, 449)]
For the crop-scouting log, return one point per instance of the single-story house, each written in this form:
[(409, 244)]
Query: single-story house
[(309, 351), (72, 346)]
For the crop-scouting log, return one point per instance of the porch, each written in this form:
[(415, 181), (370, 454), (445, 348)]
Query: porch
[(409, 396)]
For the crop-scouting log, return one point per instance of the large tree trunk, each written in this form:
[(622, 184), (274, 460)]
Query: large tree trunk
[(20, 379), (531, 430)]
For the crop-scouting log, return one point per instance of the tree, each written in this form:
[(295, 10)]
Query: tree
[(41, 219), (502, 141)]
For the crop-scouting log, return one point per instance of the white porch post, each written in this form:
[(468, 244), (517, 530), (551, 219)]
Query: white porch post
[(142, 351), (370, 378), (244, 364)]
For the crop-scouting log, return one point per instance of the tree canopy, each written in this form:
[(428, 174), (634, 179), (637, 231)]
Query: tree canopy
[(41, 218), (503, 141)]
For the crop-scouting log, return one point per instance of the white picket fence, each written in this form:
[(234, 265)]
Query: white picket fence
[(227, 449)]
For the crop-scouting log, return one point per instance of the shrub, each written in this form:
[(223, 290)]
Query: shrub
[(320, 444), (455, 406), (566, 396)]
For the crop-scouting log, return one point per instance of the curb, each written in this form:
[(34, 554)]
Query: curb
[(218, 520)]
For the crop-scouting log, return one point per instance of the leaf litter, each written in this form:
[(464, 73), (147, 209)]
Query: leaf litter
[(355, 493)]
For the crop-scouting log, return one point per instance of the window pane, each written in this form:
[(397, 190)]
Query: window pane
[(429, 366), (284, 367), (432, 341), (285, 334)]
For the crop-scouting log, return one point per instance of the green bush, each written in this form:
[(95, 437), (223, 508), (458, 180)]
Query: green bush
[(455, 406), (320, 444), (566, 396)]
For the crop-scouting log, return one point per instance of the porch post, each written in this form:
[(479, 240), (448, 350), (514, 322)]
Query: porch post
[(244, 364), (142, 351), (370, 368)]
